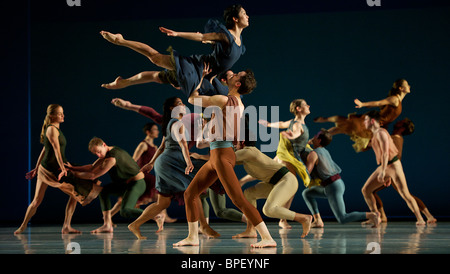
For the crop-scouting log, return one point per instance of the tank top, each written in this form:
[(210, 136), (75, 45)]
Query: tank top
[(170, 142), (146, 155), (326, 167), (389, 113), (49, 160), (299, 143), (376, 146), (125, 167)]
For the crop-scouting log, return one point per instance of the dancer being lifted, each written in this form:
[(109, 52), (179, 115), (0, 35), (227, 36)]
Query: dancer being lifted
[(185, 72), (353, 124)]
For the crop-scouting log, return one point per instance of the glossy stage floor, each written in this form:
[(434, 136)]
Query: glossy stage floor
[(395, 237)]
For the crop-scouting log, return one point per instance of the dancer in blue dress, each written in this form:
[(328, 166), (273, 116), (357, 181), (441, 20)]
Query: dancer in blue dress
[(185, 72), (174, 168)]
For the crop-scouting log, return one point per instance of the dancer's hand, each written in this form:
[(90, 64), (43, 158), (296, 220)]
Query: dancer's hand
[(288, 134), (358, 103), (147, 168), (206, 69), (62, 174), (169, 32), (189, 168), (31, 174), (120, 102), (263, 122)]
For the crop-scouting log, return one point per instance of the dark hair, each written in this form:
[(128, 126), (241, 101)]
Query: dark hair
[(248, 82), (230, 13), (167, 113), (407, 125), (324, 137), (148, 127), (396, 87), (374, 114)]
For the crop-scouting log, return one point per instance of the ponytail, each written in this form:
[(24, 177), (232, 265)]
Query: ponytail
[(51, 109)]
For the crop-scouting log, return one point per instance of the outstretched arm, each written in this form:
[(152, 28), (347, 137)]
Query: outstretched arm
[(196, 36), (280, 124), (391, 100), (98, 169)]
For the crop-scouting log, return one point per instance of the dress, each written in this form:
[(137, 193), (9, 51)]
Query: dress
[(189, 69), (170, 167), (291, 151), (149, 177)]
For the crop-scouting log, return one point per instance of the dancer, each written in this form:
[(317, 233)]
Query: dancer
[(185, 72), (390, 168), (218, 199), (50, 171), (174, 168), (353, 124), (222, 158), (402, 128), (292, 148), (331, 186), (277, 185), (127, 181)]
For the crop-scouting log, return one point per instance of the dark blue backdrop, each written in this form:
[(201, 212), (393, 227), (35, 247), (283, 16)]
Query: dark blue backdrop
[(327, 52)]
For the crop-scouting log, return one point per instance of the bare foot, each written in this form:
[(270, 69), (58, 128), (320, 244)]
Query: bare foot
[(209, 232), (70, 230), (159, 219), (20, 230), (320, 120), (421, 223), (317, 224), (103, 229), (375, 218), (306, 224), (284, 224), (264, 243), (119, 83), (246, 234), (136, 231), (112, 38), (187, 242)]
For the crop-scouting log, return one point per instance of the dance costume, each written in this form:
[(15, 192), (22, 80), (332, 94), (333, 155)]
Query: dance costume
[(332, 188), (277, 184), (220, 165), (189, 70), (149, 178), (123, 184), (84, 191), (291, 151), (170, 166)]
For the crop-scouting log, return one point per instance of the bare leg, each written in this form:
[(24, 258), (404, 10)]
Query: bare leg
[(368, 189), (107, 226), (161, 60), (150, 212), (31, 210), (399, 179), (140, 78), (192, 238), (70, 209)]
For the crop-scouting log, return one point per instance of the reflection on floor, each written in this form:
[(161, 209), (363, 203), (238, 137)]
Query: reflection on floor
[(392, 238)]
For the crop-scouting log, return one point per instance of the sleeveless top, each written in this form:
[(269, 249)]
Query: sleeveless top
[(170, 142), (224, 55), (49, 161), (125, 167), (299, 143), (389, 113), (146, 155), (326, 167), (393, 151)]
